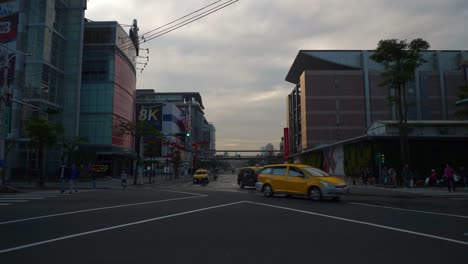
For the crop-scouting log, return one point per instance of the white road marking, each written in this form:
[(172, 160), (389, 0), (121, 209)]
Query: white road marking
[(116, 227), (364, 223), (181, 192), (410, 210), (4, 204), (98, 209)]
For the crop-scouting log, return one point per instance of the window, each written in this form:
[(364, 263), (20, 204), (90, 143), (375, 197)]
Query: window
[(95, 71), (279, 171), (316, 172), (295, 172), (267, 171)]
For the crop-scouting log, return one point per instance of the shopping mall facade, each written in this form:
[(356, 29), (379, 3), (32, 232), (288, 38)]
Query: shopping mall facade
[(339, 116)]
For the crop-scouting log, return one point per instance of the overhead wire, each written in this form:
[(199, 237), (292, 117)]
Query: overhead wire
[(196, 11), (184, 23)]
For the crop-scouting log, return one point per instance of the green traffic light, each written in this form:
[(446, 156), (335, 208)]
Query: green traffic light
[(187, 134)]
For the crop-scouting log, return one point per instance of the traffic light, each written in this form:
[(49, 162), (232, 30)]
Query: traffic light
[(187, 134), (382, 159)]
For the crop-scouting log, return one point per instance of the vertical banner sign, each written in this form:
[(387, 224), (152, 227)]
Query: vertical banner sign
[(8, 31), (286, 143), (8, 20), (152, 115)]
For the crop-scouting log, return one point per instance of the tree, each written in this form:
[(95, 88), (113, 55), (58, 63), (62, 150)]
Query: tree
[(138, 130), (42, 134), (70, 146), (400, 60)]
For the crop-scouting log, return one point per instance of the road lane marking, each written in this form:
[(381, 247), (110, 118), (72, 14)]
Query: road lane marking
[(13, 201), (363, 223), (98, 209), (4, 204), (116, 227), (166, 190), (410, 210)]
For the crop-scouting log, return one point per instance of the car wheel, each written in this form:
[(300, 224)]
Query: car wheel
[(241, 184), (267, 191), (315, 194)]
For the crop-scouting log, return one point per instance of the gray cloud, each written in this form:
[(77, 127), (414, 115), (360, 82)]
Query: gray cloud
[(238, 57)]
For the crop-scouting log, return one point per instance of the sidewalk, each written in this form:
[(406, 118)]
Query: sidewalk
[(101, 183), (419, 191)]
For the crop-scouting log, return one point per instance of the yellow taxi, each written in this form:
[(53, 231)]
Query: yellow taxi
[(300, 179), (200, 176)]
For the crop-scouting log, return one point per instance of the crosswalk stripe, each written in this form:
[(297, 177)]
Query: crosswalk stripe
[(4, 204), (14, 201)]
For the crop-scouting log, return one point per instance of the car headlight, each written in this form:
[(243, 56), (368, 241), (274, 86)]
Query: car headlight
[(327, 185)]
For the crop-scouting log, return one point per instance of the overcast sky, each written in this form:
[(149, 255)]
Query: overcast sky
[(238, 57)]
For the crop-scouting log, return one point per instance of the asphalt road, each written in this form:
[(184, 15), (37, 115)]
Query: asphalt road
[(178, 222)]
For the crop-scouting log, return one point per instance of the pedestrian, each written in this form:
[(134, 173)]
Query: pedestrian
[(364, 176), (407, 176), (73, 177), (392, 177), (93, 174), (123, 178), (433, 177), (449, 177)]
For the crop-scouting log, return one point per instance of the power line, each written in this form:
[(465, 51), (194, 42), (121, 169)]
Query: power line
[(186, 22), (142, 35)]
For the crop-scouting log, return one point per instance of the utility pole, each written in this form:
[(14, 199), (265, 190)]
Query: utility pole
[(5, 102)]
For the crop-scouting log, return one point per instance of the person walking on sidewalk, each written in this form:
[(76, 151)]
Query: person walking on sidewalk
[(365, 176), (449, 177), (93, 175), (407, 176), (123, 178), (391, 174), (73, 178)]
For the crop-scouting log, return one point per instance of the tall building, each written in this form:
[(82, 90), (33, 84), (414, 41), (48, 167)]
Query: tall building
[(108, 94), (44, 43)]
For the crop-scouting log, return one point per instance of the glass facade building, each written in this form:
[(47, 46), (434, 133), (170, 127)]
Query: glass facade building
[(108, 94), (47, 52)]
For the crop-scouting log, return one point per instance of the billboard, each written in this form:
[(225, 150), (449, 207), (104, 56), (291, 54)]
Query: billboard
[(8, 20), (152, 115)]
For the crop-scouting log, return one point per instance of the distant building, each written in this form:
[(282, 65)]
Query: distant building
[(337, 98), (181, 113)]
